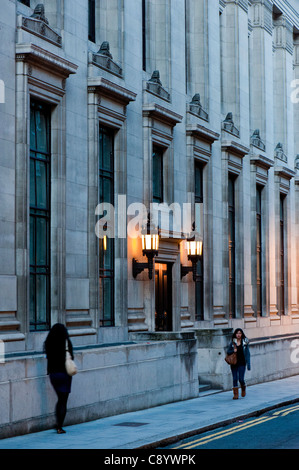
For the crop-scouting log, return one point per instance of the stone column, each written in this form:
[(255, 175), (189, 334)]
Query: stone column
[(261, 131), (197, 49), (295, 102), (159, 39), (261, 76), (234, 38), (109, 26), (235, 139), (284, 143)]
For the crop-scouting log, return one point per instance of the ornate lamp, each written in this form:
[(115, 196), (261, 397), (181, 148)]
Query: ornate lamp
[(150, 247), (194, 252)]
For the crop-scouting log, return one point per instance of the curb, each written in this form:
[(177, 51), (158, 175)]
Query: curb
[(179, 437)]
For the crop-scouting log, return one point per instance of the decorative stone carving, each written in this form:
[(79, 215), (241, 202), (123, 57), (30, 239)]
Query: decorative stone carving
[(283, 34), (229, 126), (262, 15), (154, 85), (105, 49), (39, 13), (103, 59), (257, 141), (195, 107), (279, 153), (155, 78), (38, 57), (38, 25)]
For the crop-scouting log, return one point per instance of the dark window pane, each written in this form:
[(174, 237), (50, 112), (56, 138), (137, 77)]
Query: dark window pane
[(158, 175), (32, 183), (198, 183), (259, 250), (282, 260), (91, 20), (106, 256), (41, 181), (32, 299), (39, 242), (32, 241), (144, 35), (231, 244)]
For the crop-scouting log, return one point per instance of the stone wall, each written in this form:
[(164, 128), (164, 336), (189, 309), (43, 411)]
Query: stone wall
[(111, 380), (271, 358)]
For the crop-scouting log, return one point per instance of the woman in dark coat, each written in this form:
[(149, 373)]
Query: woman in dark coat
[(240, 345), (55, 349)]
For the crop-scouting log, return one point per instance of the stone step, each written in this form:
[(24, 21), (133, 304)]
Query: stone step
[(206, 389)]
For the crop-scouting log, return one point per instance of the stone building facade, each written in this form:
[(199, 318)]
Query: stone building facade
[(173, 102)]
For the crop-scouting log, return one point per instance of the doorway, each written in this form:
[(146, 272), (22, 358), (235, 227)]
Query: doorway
[(163, 296)]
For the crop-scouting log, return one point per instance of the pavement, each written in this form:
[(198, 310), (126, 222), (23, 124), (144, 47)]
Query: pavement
[(160, 426)]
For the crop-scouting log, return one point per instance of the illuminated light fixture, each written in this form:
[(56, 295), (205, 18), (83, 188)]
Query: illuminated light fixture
[(194, 252), (150, 248), (105, 242)]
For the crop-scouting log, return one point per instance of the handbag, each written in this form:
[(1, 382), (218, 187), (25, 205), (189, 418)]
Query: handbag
[(70, 366), (231, 359)]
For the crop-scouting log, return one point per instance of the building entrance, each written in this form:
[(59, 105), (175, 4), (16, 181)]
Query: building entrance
[(163, 296)]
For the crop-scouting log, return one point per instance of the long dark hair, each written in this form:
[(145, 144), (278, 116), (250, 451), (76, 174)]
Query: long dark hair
[(56, 341), (236, 331)]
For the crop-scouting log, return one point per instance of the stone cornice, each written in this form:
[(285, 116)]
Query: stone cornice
[(201, 132), (290, 12), (45, 59), (103, 86), (262, 161), (284, 172), (156, 111), (235, 148)]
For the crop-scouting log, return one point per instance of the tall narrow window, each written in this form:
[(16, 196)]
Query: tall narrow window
[(106, 245), (144, 35), (231, 246), (158, 175), (281, 260), (91, 20), (259, 298), (40, 210), (199, 304)]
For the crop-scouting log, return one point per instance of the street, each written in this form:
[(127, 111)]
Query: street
[(276, 429)]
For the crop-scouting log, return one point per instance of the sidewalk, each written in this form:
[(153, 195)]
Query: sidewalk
[(159, 426)]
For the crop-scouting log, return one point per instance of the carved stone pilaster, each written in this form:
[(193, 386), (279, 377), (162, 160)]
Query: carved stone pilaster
[(283, 34), (262, 15)]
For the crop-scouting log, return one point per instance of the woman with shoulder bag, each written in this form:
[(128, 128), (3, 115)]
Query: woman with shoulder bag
[(240, 346), (56, 345)]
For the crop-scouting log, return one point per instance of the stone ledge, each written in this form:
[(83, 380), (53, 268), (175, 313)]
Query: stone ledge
[(163, 336)]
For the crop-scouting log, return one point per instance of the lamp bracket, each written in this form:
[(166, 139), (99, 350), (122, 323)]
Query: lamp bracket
[(190, 269), (137, 267)]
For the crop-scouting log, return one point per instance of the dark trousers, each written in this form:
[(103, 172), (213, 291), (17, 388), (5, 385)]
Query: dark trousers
[(61, 408), (238, 375)]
